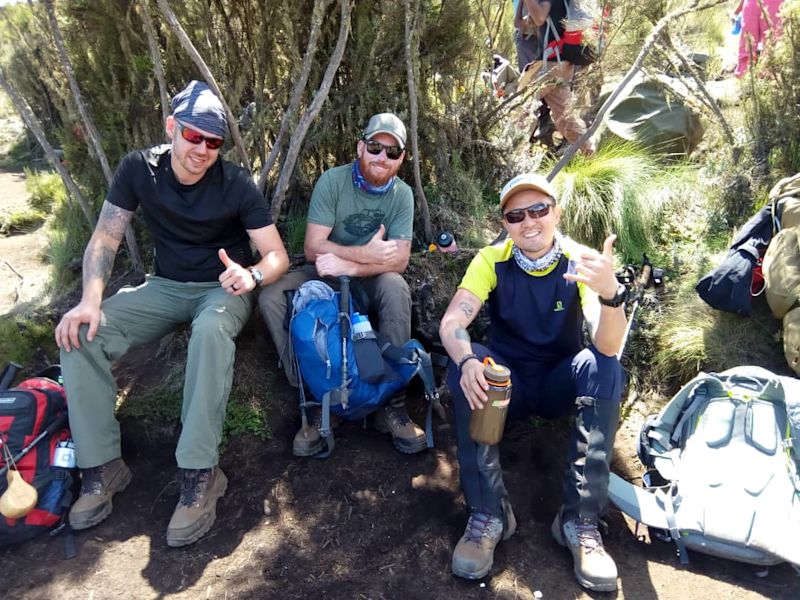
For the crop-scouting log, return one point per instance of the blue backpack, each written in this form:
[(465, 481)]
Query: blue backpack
[(328, 359)]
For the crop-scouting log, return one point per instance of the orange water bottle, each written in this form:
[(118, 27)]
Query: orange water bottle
[(486, 424)]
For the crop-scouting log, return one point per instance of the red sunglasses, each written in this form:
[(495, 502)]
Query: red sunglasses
[(194, 137), (535, 211)]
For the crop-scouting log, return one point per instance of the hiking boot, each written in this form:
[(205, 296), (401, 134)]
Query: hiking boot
[(407, 437), (307, 441), (474, 553), (594, 568), (98, 486), (197, 506)]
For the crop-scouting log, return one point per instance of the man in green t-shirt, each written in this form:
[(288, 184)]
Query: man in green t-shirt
[(359, 224)]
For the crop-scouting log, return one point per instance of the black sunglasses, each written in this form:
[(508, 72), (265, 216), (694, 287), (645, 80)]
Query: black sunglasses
[(194, 137), (534, 211), (375, 147)]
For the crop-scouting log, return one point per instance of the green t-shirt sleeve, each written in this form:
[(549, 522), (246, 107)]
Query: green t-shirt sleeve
[(322, 208), (402, 225)]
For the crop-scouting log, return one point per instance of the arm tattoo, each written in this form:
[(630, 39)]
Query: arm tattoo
[(461, 334), (466, 309), (114, 220), (98, 262)]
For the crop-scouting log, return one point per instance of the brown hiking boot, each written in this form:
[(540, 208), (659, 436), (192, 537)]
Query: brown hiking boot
[(594, 568), (197, 506), (474, 553), (98, 486), (407, 437), (307, 441)]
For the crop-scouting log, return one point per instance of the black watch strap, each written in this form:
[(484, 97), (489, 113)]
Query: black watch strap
[(464, 360), (617, 300)]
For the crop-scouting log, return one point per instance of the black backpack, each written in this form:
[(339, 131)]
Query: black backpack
[(35, 432)]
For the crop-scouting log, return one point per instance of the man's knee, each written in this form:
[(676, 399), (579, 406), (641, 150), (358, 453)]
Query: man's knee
[(392, 288), (597, 375), (215, 323)]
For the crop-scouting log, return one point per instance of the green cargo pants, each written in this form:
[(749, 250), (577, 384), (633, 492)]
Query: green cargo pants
[(135, 316)]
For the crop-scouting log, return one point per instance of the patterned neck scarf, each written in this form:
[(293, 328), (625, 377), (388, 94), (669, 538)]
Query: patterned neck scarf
[(360, 182), (543, 262)]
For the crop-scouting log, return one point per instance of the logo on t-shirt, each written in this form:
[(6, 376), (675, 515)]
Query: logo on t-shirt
[(365, 222), (559, 306)]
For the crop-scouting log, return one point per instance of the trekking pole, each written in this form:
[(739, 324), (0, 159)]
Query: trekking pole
[(639, 286), (9, 372), (60, 422), (344, 325)]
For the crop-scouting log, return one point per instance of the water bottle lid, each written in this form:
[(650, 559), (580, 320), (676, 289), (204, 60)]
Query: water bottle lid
[(359, 318), (496, 374), (444, 239)]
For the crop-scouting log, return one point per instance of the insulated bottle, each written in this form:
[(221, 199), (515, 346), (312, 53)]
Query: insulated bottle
[(366, 349), (486, 424)]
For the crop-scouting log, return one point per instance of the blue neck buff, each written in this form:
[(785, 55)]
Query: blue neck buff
[(360, 182)]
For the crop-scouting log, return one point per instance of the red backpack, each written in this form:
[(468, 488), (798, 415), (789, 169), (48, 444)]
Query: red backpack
[(35, 431)]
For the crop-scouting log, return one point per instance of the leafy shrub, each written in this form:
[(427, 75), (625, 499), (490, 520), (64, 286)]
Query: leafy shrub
[(24, 337)]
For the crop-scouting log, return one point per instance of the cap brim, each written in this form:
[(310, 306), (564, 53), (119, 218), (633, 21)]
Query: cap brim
[(523, 186)]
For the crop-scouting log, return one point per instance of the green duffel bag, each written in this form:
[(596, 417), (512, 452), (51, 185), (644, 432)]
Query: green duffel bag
[(787, 193), (782, 272), (791, 339)]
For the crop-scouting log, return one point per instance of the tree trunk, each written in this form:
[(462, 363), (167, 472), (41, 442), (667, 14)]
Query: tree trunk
[(320, 8), (203, 67), (691, 6), (155, 56), (312, 111), (91, 130), (31, 123), (411, 57)]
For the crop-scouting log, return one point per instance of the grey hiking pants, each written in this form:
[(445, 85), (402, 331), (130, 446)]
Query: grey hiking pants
[(386, 294), (136, 316)]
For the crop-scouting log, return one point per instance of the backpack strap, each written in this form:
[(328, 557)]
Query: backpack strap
[(414, 354)]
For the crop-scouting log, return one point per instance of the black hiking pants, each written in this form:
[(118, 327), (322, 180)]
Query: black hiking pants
[(587, 386)]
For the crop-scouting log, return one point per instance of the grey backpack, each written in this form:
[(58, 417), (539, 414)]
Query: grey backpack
[(727, 449)]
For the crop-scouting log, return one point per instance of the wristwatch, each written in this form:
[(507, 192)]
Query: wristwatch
[(258, 276), (619, 297)]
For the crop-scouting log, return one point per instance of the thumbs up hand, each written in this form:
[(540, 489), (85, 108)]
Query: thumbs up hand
[(380, 250), (235, 279), (596, 270)]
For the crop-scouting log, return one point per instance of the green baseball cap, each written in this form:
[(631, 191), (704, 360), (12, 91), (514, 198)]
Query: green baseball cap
[(386, 123)]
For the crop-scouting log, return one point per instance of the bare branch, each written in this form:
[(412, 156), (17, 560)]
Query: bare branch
[(187, 44), (155, 56), (311, 113), (411, 53)]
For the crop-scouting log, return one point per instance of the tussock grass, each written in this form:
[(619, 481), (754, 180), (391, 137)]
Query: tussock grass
[(46, 190), (21, 222), (622, 189), (67, 237)]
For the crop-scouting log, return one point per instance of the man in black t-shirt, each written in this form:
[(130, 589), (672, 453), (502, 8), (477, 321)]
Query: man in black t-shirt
[(202, 213)]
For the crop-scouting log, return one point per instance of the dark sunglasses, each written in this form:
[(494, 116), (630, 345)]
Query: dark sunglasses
[(534, 211), (375, 147), (193, 137)]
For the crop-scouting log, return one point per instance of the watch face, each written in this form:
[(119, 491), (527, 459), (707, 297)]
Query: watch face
[(258, 276)]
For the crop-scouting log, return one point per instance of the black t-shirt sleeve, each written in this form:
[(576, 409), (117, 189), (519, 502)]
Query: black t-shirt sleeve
[(122, 192), (253, 210)]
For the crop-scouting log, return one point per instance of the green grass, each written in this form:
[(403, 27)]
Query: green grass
[(46, 189), (67, 237), (26, 338), (295, 233), (621, 189), (22, 221)]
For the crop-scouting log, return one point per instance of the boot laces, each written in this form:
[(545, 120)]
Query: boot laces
[(589, 536), (397, 417), (193, 486), (92, 480), (480, 525)]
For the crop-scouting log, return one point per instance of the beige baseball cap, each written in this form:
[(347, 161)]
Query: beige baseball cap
[(386, 123), (526, 181)]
